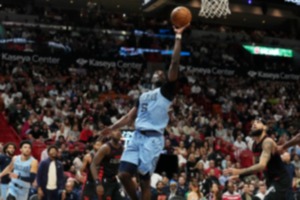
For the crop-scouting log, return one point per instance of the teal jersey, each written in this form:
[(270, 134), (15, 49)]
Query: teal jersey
[(152, 111), (22, 168)]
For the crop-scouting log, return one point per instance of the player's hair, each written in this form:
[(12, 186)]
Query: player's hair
[(7, 145), (25, 142), (52, 147), (262, 120)]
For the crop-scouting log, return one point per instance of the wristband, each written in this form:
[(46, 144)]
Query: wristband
[(98, 182), (178, 36)]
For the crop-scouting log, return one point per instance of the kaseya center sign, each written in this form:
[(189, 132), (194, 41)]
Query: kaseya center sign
[(34, 58), (109, 63)]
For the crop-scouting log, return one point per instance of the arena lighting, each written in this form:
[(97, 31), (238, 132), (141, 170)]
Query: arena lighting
[(140, 33), (269, 51), (59, 46), (15, 40), (297, 2), (130, 51)]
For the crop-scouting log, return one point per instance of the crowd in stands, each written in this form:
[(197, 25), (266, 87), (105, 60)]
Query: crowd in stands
[(60, 106)]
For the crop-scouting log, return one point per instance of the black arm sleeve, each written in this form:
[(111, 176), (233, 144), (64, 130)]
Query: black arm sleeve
[(169, 90), (29, 179)]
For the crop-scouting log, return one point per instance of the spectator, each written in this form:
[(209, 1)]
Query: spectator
[(182, 186), (261, 192), (69, 192), (290, 168), (296, 162), (194, 192), (5, 159), (50, 176), (223, 179), (239, 144), (86, 133), (205, 162), (230, 194), (247, 193), (173, 190), (159, 193), (212, 168), (44, 154), (214, 192), (191, 166)]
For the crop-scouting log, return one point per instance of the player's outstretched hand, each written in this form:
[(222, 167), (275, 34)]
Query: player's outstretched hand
[(232, 172), (280, 149), (106, 131), (181, 29)]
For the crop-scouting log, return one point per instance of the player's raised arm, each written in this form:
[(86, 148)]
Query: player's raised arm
[(292, 142), (175, 62)]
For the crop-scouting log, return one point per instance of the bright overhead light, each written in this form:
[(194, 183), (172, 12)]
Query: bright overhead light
[(71, 2)]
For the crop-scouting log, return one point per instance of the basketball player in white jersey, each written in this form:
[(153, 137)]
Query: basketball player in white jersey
[(24, 168)]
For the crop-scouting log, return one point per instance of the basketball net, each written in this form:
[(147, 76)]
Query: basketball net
[(214, 8)]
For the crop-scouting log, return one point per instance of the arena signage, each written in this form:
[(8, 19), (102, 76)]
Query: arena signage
[(213, 71), (30, 58), (269, 51), (273, 75), (109, 64)]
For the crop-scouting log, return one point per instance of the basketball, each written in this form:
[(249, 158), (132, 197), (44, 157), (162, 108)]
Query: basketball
[(181, 16)]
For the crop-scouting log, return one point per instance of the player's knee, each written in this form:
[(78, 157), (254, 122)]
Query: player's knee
[(145, 178), (10, 197), (126, 169), (123, 176), (145, 182)]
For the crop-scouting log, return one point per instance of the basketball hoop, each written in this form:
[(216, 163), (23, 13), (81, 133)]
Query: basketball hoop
[(214, 8)]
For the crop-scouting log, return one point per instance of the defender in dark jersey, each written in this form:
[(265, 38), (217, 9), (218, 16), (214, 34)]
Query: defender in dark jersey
[(108, 159), (9, 151), (89, 188), (277, 178)]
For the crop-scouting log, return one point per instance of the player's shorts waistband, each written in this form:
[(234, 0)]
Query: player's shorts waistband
[(18, 186), (150, 132)]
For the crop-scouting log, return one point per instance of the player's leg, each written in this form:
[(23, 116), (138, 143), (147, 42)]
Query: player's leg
[(126, 172), (11, 192), (275, 192), (4, 188), (89, 192), (10, 197), (128, 166), (150, 151), (145, 186), (23, 194), (108, 190), (116, 193)]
